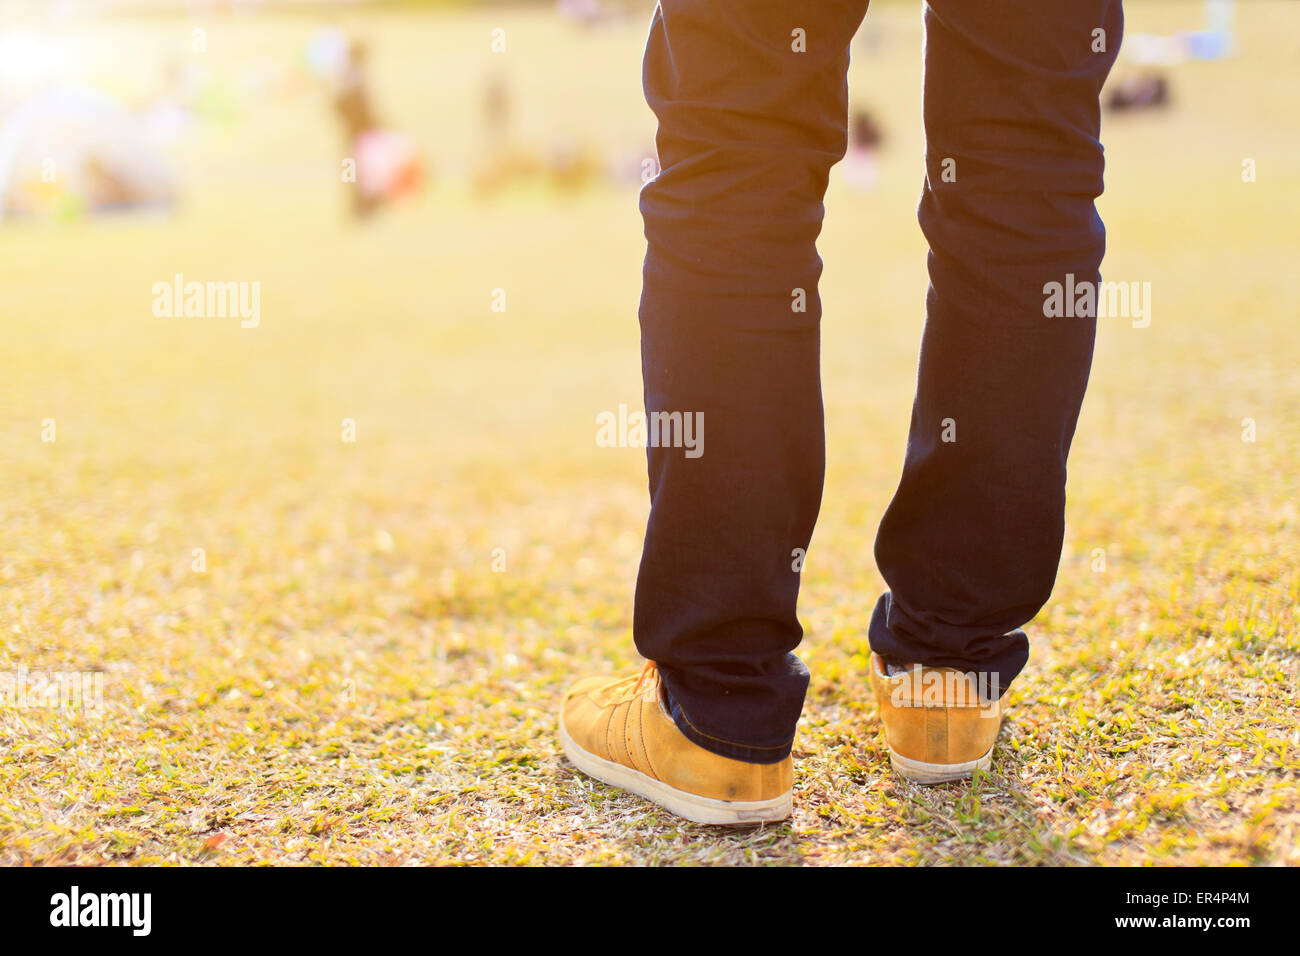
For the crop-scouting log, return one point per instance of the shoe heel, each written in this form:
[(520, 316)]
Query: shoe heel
[(918, 771)]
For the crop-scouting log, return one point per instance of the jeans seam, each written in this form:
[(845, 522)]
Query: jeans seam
[(722, 740)]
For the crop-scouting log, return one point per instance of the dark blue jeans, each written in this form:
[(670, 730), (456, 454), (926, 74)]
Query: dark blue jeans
[(749, 127)]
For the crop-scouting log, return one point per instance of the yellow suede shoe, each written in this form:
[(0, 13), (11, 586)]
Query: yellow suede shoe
[(617, 730), (937, 724)]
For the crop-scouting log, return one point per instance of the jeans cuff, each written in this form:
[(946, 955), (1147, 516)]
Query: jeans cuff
[(999, 670), (723, 748)]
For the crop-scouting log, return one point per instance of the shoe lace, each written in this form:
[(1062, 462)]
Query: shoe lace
[(646, 671)]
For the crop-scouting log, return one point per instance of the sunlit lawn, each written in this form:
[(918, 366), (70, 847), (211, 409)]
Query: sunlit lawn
[(351, 680)]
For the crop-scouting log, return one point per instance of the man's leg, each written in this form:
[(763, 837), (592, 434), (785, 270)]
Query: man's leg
[(752, 102), (971, 541)]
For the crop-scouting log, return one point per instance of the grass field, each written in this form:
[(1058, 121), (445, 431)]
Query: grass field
[(349, 680)]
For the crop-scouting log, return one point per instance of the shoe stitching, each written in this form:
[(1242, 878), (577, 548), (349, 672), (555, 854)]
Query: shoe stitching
[(609, 729), (645, 752)]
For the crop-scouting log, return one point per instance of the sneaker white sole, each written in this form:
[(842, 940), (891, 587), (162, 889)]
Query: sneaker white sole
[(691, 806), (918, 771)]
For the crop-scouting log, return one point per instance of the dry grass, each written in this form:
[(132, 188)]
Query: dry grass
[(350, 681)]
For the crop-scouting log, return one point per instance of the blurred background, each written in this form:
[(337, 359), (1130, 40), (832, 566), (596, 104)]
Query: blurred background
[(374, 498)]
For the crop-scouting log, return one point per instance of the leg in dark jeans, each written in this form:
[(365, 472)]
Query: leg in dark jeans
[(971, 541), (749, 127), (751, 98)]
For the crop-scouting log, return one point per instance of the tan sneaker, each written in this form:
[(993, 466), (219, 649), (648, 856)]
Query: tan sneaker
[(937, 725), (617, 730)]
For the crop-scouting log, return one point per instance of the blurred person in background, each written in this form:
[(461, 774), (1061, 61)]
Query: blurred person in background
[(860, 166), (388, 165)]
